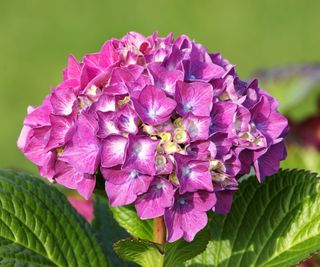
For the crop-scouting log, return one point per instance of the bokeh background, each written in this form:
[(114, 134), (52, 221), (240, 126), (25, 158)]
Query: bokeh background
[(36, 36)]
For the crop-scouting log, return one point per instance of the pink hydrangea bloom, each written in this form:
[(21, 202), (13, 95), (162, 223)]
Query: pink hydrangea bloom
[(170, 126)]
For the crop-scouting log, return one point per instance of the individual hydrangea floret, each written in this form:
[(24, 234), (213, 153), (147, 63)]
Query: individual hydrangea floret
[(170, 126)]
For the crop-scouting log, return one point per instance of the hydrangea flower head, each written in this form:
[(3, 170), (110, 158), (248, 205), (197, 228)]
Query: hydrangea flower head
[(170, 126)]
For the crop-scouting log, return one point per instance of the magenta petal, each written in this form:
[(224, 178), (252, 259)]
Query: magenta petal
[(222, 116), (165, 168), (86, 186), (196, 127), (204, 201), (195, 98), (202, 71), (66, 175), (267, 120), (152, 204), (83, 153), (174, 59), (47, 169), (62, 130), (193, 175), (84, 157), (116, 89), (87, 127), (224, 201), (199, 150), (24, 137), (232, 164), (35, 147), (173, 222), (153, 106), (94, 61), (242, 119), (221, 143), (126, 75), (69, 177), (40, 116), (121, 78), (141, 152), (87, 75), (107, 124), (123, 187), (73, 70), (188, 215), (268, 163), (128, 120), (62, 101), (113, 150), (73, 85), (109, 54), (105, 103), (136, 87), (165, 79)]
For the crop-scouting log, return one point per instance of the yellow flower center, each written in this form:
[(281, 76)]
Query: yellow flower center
[(124, 101), (59, 151), (180, 136)]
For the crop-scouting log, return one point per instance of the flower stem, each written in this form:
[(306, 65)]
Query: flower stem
[(159, 231)]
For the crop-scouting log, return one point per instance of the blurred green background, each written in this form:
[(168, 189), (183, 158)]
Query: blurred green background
[(38, 35)]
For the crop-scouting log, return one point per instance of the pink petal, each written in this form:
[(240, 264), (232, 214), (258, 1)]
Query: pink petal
[(141, 152), (35, 148), (86, 186), (40, 116), (107, 124), (195, 98), (113, 150), (152, 204), (153, 107), (73, 69), (128, 120), (196, 127), (164, 79), (62, 130), (123, 187), (24, 137)]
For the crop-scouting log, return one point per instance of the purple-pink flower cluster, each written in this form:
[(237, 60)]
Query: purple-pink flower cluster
[(170, 126)]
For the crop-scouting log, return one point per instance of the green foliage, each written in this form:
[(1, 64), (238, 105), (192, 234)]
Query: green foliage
[(181, 251), (143, 252), (271, 224), (107, 230), (297, 89), (12, 254), (38, 226), (140, 249), (149, 254), (127, 217)]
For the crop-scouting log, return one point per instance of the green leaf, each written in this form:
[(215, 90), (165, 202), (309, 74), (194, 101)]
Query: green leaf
[(276, 223), (297, 88), (143, 252), (12, 254), (150, 254), (127, 217), (107, 230), (38, 220), (181, 251)]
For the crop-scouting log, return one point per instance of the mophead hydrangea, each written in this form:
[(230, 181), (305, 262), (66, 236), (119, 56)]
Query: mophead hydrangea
[(170, 126)]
